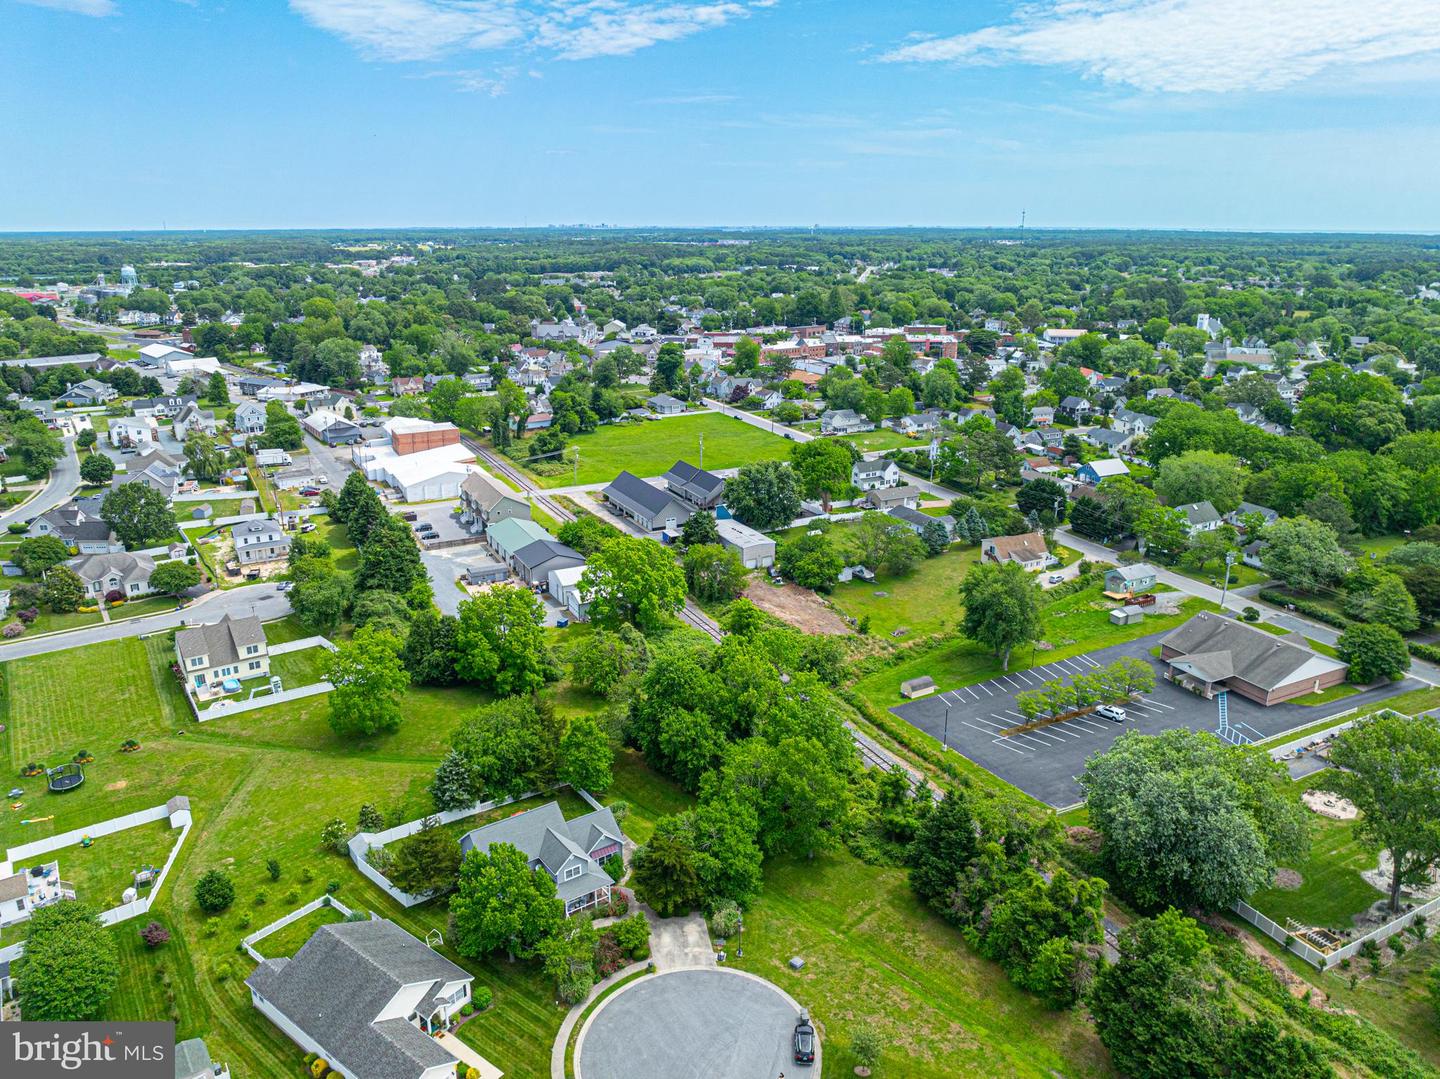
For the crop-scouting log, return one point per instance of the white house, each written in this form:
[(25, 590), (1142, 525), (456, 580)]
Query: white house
[(230, 648), (873, 475), (1028, 550), (123, 572), (133, 433), (1200, 517), (193, 418)]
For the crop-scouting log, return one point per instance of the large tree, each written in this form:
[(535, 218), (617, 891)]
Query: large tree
[(510, 746), (70, 966), (585, 758), (38, 553), (713, 573), (1189, 820), (500, 641), (137, 514), (1375, 653), (97, 469), (64, 591), (1387, 766), (503, 904), (810, 561), (1201, 476), (368, 678), (389, 559), (823, 465), (1002, 608), (765, 495), (633, 581), (426, 862), (174, 577), (1044, 498), (1305, 554)]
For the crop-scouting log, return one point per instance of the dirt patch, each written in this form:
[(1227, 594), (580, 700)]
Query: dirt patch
[(1379, 879), (1288, 879), (798, 606), (1085, 838), (1330, 805), (1295, 985), (118, 785)]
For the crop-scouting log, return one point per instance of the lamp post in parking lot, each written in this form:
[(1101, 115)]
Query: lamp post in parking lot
[(946, 739)]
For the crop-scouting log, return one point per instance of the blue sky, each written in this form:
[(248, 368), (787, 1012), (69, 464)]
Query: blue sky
[(1248, 114)]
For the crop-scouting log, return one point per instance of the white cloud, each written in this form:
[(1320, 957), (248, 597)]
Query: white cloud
[(1186, 46), (78, 7), (491, 82), (403, 30)]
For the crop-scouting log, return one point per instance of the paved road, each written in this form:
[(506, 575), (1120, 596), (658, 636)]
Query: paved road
[(263, 600), (325, 462), (762, 422), (1319, 631), (64, 478)]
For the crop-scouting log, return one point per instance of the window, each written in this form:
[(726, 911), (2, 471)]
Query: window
[(198, 661), (254, 664), (571, 873), (250, 650)]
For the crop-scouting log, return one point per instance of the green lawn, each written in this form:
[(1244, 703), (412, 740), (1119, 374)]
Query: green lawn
[(882, 438), (302, 668), (1241, 575), (139, 608), (924, 602), (1327, 696), (1332, 891), (648, 795), (285, 630), (874, 954), (288, 940), (1076, 624), (48, 622), (102, 871), (649, 448), (220, 507), (1323, 648)]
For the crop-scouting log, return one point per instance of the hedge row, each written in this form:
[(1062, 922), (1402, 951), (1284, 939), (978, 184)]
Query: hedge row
[(1306, 607), (1424, 651)]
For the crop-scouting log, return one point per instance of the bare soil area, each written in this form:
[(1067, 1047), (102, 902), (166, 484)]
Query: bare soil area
[(798, 606)]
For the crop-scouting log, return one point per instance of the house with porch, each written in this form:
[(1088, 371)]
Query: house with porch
[(485, 501), (844, 421), (874, 475), (1028, 551), (571, 852), (101, 574), (367, 997), (652, 508)]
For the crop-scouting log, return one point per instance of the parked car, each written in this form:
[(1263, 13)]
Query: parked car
[(285, 586), (804, 1041), (409, 515), (423, 526), (1055, 578), (309, 492), (1114, 713)]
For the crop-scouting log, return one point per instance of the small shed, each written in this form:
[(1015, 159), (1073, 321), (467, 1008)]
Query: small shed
[(917, 687), (202, 512), (1127, 615), (486, 572)]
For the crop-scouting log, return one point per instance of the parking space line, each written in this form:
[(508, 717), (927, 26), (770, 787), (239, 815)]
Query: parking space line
[(1017, 715), (987, 689), (1070, 666), (1160, 704), (1049, 734), (972, 693), (1003, 744), (1091, 727), (985, 730)]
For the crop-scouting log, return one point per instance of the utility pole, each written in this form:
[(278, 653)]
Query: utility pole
[(1229, 561), (575, 476), (702, 449)]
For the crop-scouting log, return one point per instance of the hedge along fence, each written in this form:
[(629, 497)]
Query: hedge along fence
[(294, 916), (1306, 607)]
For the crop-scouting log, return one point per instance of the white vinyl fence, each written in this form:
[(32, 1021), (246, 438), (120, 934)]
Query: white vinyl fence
[(295, 915)]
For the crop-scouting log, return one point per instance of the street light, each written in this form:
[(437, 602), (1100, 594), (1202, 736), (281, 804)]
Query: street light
[(946, 741), (1229, 561)]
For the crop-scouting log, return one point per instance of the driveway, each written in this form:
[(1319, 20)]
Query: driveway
[(1045, 763), (331, 462), (64, 478), (677, 943)]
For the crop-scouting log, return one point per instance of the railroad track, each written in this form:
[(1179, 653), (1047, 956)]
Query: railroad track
[(498, 464)]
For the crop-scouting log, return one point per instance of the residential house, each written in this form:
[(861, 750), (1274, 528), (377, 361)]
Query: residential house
[(1108, 439), (1200, 517), (260, 541), (873, 475), (1027, 550), (88, 392), (696, 486), (844, 421), (571, 852), (233, 647), (1133, 423), (756, 550), (126, 433), (251, 385), (332, 428), (406, 386), (101, 574), (564, 587), (1042, 416), (1127, 580), (79, 525), (919, 423), (162, 408), (1092, 472), (917, 522), (29, 888), (1077, 408), (650, 507), (665, 405), (193, 418), (1240, 512), (534, 562), (1211, 653), (884, 498), (158, 471), (485, 501), (368, 998)]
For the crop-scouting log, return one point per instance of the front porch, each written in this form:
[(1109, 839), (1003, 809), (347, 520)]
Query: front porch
[(584, 902)]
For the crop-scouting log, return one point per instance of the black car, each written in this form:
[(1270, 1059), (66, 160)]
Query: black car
[(804, 1042)]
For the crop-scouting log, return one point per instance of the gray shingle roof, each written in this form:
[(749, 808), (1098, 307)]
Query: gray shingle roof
[(534, 555), (1199, 513), (485, 491), (223, 641), (342, 979), (543, 835), (192, 1059), (1219, 648), (695, 482), (634, 493)]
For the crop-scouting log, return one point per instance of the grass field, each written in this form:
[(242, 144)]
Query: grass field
[(139, 608), (923, 602), (874, 954), (102, 871), (302, 668), (1328, 696), (1240, 575), (1076, 624), (882, 438), (48, 622), (289, 939), (285, 630), (219, 507), (648, 449), (1332, 891)]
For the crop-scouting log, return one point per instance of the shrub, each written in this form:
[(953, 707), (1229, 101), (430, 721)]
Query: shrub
[(619, 903), (13, 630), (307, 875), (261, 897), (273, 868), (335, 835), (370, 818), (332, 887), (1250, 614), (632, 934), (212, 926), (725, 921), (1305, 607), (292, 896), (16, 528), (214, 891), (1396, 944), (114, 596), (482, 998), (1424, 651), (319, 1066), (155, 935), (865, 1046), (244, 920), (467, 1009), (614, 865)]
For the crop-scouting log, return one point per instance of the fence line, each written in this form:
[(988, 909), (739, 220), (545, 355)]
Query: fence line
[(295, 915), (1326, 960), (225, 708), (95, 831), (302, 644)]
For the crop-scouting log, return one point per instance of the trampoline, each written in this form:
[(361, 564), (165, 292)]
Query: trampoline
[(66, 777)]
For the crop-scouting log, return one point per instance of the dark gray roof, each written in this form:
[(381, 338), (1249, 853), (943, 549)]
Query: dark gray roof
[(1217, 648), (223, 641), (915, 517), (634, 493), (1106, 437), (695, 482), (342, 979), (534, 555)]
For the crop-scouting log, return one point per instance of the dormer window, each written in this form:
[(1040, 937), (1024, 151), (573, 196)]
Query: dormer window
[(571, 872)]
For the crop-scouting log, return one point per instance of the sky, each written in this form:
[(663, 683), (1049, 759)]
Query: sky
[(1266, 115)]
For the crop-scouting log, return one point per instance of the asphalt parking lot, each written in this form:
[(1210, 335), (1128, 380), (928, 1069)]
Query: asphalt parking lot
[(1045, 763), (441, 515)]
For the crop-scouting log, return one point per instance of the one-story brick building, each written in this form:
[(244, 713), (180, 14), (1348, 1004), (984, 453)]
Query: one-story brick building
[(1211, 653)]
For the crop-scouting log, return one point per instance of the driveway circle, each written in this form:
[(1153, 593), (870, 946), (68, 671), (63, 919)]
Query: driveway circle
[(692, 1024)]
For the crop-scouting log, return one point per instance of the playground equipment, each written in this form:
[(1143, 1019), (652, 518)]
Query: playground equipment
[(66, 777)]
